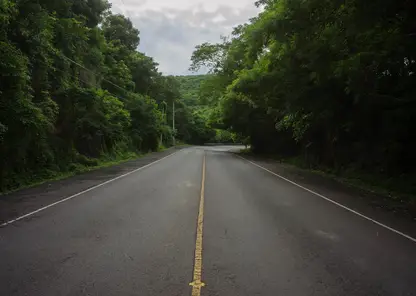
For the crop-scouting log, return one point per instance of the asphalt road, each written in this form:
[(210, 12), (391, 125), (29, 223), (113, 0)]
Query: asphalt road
[(262, 235)]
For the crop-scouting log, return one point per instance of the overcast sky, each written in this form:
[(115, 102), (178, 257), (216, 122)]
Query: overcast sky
[(170, 29)]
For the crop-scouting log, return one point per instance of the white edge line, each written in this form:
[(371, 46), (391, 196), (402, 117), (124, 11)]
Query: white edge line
[(334, 202), (82, 192)]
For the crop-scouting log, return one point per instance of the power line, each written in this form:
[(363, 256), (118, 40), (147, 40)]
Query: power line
[(55, 68), (61, 55), (87, 83), (92, 72)]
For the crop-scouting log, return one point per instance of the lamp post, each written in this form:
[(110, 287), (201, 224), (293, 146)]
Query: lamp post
[(173, 123), (163, 119)]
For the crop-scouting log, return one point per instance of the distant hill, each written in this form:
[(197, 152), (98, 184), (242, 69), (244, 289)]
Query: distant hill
[(189, 88)]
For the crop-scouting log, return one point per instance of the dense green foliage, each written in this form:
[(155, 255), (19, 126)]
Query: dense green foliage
[(198, 96), (74, 90), (333, 82), (190, 88)]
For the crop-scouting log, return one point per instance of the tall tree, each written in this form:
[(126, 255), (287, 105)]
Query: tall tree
[(332, 80)]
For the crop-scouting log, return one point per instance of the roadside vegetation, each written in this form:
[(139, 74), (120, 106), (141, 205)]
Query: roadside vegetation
[(328, 84), (202, 109), (75, 93)]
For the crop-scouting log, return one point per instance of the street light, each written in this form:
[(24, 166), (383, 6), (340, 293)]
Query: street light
[(173, 123), (163, 120)]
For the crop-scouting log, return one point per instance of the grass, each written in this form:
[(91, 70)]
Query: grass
[(82, 166), (181, 144), (399, 188)]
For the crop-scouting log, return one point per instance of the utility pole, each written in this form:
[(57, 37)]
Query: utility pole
[(173, 123)]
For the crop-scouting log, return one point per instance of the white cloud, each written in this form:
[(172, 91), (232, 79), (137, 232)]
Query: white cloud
[(161, 5), (170, 29)]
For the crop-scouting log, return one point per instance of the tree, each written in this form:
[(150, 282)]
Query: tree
[(73, 88), (120, 31), (332, 81)]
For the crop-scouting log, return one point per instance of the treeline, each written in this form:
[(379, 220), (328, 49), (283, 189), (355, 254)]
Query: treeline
[(74, 90), (190, 88), (332, 82), (196, 93)]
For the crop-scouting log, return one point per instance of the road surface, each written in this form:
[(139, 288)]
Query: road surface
[(206, 222)]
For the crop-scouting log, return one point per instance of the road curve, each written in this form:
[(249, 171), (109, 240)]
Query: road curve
[(261, 236)]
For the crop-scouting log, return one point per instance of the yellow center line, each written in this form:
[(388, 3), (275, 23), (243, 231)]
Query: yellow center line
[(197, 283)]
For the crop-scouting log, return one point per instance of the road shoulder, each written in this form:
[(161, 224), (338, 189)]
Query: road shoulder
[(380, 208), (24, 201)]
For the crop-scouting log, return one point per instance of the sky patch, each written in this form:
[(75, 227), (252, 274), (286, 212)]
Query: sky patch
[(170, 29)]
